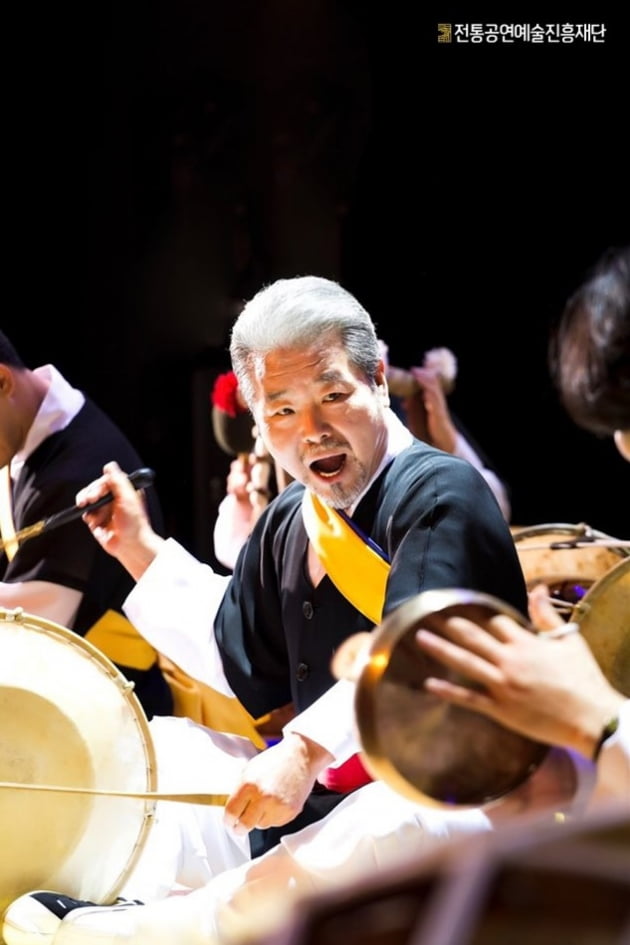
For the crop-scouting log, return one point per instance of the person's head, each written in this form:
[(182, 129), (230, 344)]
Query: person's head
[(589, 352), (20, 397), (8, 354), (308, 364)]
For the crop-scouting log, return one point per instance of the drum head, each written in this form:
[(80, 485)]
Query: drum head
[(68, 718), (604, 619), (423, 747), (560, 556)]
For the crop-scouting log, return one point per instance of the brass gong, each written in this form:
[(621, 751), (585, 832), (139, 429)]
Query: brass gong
[(603, 616), (420, 745)]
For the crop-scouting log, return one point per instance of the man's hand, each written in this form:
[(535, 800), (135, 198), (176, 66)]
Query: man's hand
[(428, 408), (275, 784), (546, 685), (122, 526)]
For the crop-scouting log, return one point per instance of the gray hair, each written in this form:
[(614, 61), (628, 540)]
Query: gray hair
[(297, 313)]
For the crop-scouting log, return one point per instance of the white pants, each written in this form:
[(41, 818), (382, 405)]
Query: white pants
[(226, 894), (188, 844), (255, 895)]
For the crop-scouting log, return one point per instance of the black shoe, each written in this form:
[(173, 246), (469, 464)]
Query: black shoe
[(35, 917)]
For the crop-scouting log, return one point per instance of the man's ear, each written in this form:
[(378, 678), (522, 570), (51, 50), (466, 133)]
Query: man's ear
[(7, 381), (622, 442), (381, 381)]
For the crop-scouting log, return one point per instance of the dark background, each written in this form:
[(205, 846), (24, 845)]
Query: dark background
[(168, 158)]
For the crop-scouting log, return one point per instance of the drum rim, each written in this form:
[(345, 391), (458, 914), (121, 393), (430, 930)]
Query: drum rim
[(566, 528), (601, 584), (18, 616), (585, 608)]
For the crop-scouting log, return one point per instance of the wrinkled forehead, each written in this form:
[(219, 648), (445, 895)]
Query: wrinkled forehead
[(317, 359)]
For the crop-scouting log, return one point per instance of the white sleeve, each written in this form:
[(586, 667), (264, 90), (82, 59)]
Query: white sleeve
[(329, 722), (370, 827), (42, 599), (613, 765), (464, 450), (174, 605), (370, 833), (231, 529)]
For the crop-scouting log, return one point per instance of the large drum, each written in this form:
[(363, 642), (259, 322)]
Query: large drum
[(570, 559), (603, 615), (68, 717)]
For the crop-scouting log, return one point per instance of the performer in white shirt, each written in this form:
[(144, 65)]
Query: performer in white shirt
[(53, 441), (307, 359)]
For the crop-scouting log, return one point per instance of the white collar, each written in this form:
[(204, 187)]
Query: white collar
[(399, 438), (58, 408)]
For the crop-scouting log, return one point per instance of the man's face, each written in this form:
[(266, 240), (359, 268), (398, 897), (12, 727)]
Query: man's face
[(321, 420), (12, 432)]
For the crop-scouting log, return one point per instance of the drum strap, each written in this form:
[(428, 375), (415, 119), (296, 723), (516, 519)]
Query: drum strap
[(7, 525)]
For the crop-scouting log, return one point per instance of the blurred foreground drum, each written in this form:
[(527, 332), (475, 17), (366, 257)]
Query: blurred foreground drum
[(68, 717), (568, 558), (603, 615), (423, 747)]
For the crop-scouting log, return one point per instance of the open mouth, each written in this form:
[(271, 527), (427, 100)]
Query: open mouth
[(330, 466)]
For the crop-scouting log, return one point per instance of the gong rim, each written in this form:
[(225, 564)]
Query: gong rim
[(608, 638), (418, 762)]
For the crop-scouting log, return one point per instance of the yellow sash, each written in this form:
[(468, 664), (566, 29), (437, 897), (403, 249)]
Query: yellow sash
[(355, 568), (118, 639), (205, 705)]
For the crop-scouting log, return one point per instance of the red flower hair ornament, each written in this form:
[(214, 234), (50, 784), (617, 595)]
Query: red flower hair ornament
[(232, 422)]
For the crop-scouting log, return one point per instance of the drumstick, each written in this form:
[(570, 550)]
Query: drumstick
[(214, 800), (140, 479)]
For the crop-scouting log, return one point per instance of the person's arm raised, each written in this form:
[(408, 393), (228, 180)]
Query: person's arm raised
[(122, 526)]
